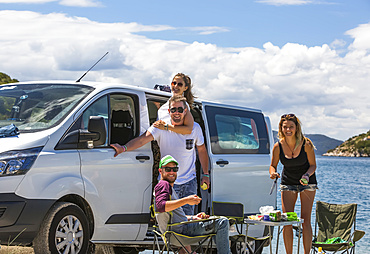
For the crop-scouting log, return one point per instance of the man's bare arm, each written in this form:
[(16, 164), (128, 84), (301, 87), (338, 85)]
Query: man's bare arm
[(133, 143), (174, 204), (203, 158)]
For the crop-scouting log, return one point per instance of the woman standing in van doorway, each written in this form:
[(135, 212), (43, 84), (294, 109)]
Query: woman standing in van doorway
[(296, 153), (180, 85)]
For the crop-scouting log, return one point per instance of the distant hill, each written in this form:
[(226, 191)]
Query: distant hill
[(4, 79), (322, 143), (357, 146)]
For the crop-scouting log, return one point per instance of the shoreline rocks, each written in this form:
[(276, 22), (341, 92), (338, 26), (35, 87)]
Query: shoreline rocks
[(345, 154), (357, 146)]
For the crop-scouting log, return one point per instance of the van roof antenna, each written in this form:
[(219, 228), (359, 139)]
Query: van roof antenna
[(78, 80)]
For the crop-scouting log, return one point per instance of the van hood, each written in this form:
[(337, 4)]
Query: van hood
[(23, 141)]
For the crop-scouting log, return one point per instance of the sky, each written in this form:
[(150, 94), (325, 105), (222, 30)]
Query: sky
[(308, 57)]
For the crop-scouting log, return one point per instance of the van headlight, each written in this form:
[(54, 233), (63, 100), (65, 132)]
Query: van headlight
[(18, 162)]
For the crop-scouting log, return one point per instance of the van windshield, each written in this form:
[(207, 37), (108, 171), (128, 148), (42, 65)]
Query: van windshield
[(35, 107)]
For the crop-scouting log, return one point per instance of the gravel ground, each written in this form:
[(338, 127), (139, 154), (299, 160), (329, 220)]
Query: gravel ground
[(15, 250)]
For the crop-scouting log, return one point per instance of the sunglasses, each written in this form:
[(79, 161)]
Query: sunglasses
[(169, 169), (179, 109), (174, 83), (287, 115)]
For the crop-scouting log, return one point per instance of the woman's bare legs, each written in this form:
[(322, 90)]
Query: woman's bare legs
[(183, 251), (288, 199), (307, 197)]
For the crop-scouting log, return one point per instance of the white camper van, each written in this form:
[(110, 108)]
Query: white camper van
[(61, 188)]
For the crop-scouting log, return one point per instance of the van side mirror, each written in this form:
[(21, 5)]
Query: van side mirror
[(95, 135), (96, 132)]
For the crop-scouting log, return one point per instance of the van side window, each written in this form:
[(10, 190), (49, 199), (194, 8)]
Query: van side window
[(98, 108), (236, 131), (123, 115), (153, 106), (120, 112)]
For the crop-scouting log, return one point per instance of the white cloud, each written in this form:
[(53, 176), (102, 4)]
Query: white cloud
[(207, 30), (76, 3), (26, 1), (81, 3), (293, 2), (361, 36), (329, 92), (285, 2), (338, 43)]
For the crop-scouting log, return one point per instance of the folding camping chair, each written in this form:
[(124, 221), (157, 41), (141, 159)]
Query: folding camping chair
[(235, 213), (336, 225), (173, 241)]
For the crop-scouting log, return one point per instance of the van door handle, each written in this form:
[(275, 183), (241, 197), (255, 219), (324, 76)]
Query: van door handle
[(142, 158), (222, 163)]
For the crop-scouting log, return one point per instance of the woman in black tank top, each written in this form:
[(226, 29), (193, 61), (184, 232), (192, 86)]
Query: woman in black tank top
[(297, 155)]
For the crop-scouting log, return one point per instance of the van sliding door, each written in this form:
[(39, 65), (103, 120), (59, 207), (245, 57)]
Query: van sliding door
[(239, 150)]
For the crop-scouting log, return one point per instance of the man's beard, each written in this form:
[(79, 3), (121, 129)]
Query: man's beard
[(169, 180), (177, 120)]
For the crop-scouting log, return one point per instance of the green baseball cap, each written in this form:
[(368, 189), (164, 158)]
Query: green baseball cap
[(167, 159)]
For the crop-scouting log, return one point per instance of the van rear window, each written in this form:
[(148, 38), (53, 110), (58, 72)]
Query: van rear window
[(235, 131)]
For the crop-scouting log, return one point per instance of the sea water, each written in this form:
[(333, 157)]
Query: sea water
[(340, 180)]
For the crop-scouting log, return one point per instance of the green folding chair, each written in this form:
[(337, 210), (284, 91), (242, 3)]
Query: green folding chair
[(235, 213), (166, 239), (336, 225)]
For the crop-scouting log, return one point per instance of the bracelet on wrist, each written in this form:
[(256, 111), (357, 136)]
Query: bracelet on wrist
[(206, 175), (307, 174), (124, 148), (166, 126)]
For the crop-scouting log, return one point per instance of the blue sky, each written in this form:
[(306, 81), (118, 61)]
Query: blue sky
[(303, 56), (239, 23)]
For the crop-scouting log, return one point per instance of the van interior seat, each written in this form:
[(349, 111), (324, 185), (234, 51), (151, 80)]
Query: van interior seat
[(121, 127)]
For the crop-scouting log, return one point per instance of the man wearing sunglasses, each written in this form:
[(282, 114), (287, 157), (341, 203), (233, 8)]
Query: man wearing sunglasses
[(166, 200), (180, 146)]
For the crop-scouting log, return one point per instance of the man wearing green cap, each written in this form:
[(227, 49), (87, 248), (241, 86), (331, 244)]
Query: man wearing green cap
[(182, 147), (166, 200)]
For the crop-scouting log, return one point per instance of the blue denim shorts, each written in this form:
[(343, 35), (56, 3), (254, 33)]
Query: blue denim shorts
[(298, 188), (184, 190)]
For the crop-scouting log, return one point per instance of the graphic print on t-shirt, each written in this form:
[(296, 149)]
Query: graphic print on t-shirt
[(189, 144)]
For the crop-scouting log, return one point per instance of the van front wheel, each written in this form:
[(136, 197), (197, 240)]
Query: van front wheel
[(65, 229)]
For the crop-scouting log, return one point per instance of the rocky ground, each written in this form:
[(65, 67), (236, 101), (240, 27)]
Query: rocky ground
[(15, 250)]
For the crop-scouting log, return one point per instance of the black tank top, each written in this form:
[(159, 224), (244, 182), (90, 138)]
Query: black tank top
[(294, 168)]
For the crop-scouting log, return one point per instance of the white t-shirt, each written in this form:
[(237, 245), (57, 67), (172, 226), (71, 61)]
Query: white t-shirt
[(182, 148), (163, 112)]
